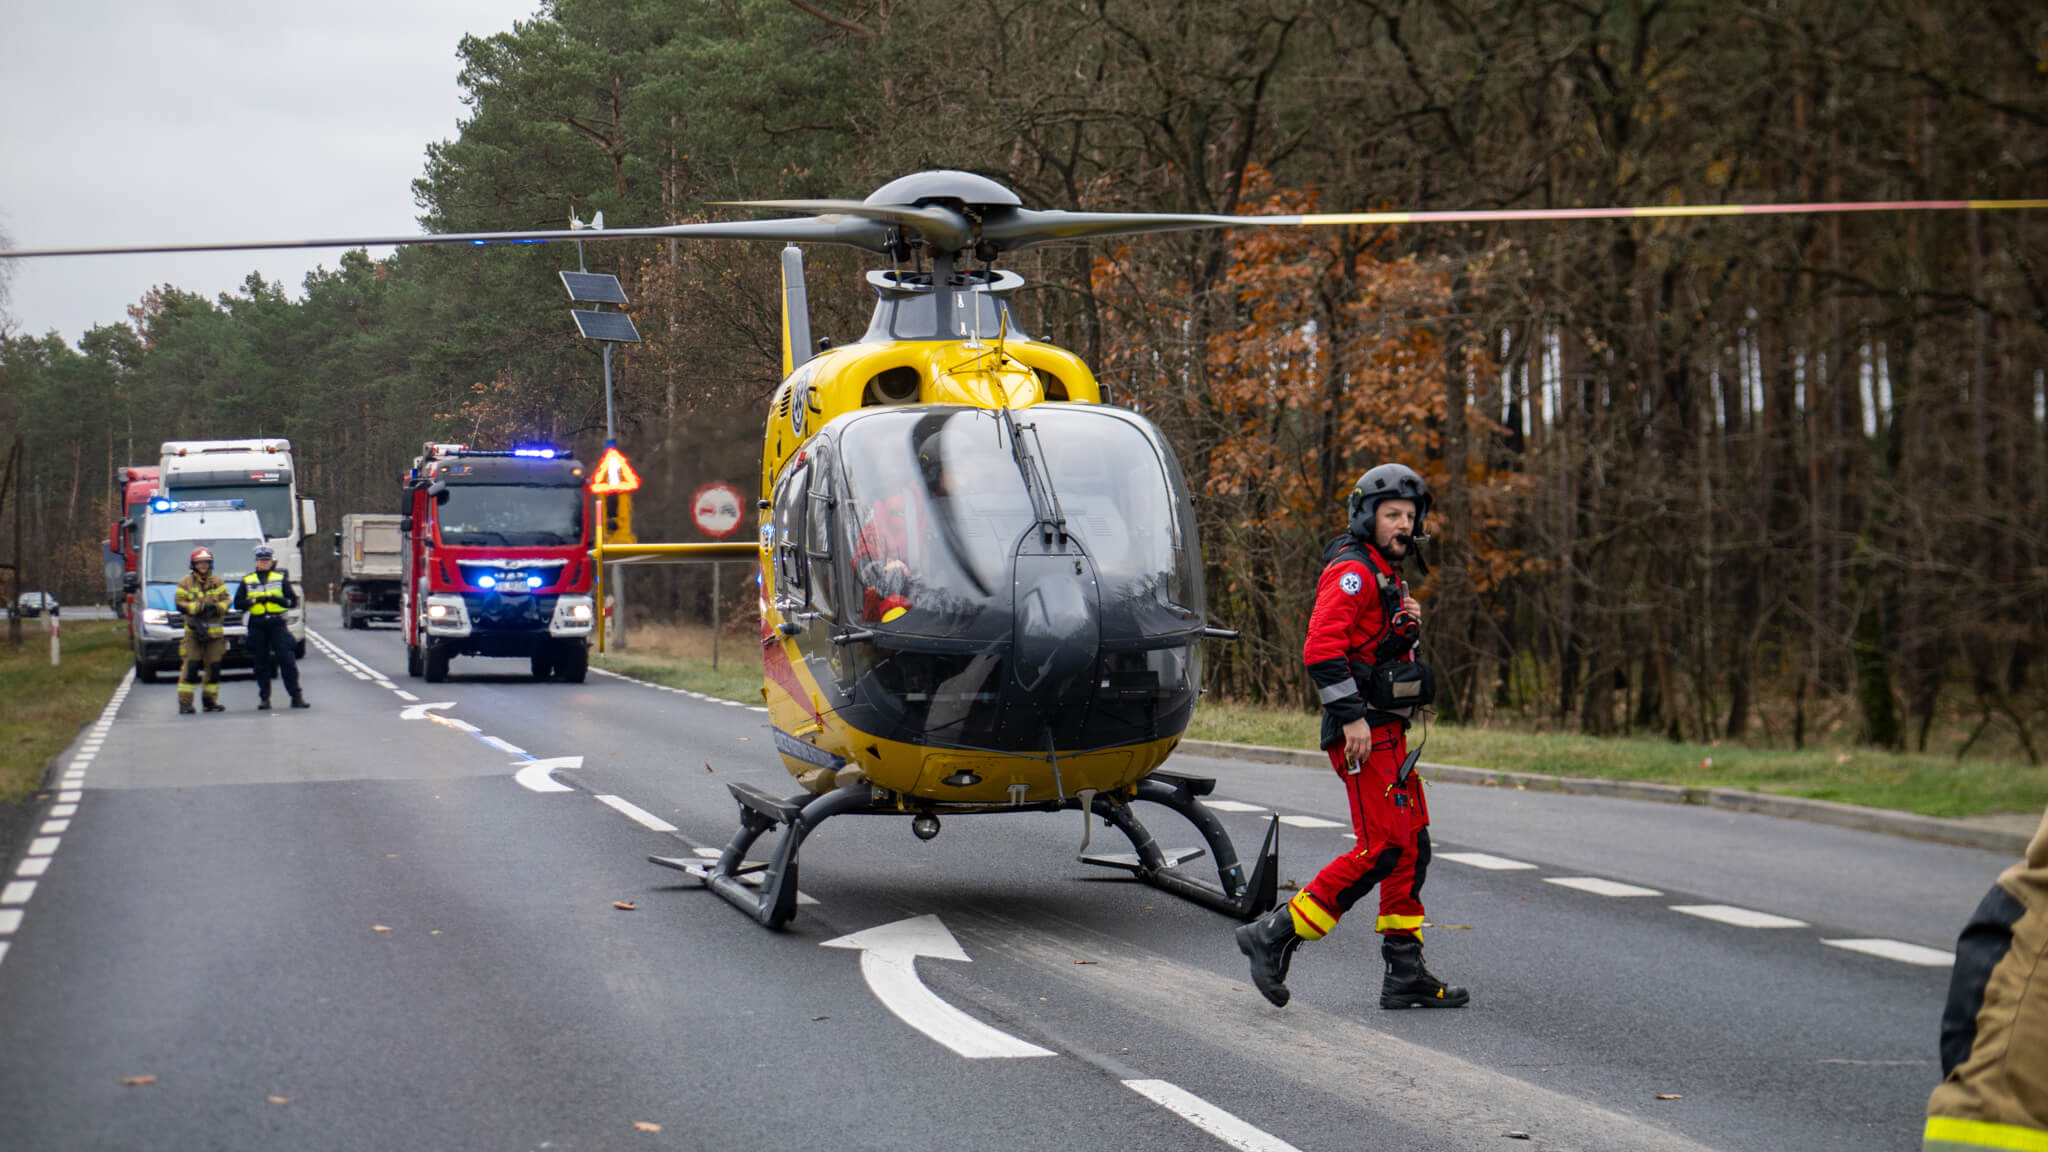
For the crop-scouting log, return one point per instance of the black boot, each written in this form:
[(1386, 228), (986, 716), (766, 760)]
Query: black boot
[(263, 704), (211, 705), (1270, 942), (300, 702), (1409, 984), (185, 707)]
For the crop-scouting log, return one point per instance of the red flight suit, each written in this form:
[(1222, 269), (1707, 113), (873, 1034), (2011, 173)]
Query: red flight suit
[(1356, 598)]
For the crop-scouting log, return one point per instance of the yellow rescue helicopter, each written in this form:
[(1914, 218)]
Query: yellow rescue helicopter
[(980, 584)]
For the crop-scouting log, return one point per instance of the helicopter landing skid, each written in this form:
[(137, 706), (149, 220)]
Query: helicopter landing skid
[(772, 897), (1234, 895)]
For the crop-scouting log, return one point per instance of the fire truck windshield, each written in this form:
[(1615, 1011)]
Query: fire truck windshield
[(511, 515)]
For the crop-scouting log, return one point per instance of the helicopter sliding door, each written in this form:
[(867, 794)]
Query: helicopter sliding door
[(990, 622)]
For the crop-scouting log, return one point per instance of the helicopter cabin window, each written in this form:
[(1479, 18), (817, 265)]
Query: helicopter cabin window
[(790, 561), (817, 529), (973, 314)]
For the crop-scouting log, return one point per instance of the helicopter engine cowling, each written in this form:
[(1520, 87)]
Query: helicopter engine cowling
[(1055, 619)]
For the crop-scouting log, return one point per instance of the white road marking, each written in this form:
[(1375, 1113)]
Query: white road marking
[(32, 866), (402, 694), (1898, 950), (504, 746), (53, 827), (458, 725), (534, 777), (1740, 917), (1599, 887), (3, 950), (10, 919), (1309, 822), (69, 797), (42, 845), (888, 962), (63, 809), (1232, 806), (637, 814), (17, 892), (419, 711), (708, 853), (1209, 1118), (1483, 860)]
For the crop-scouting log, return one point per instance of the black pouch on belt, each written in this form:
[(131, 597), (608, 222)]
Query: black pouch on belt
[(1402, 685)]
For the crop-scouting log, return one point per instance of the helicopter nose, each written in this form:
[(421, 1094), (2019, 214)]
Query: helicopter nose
[(1056, 626)]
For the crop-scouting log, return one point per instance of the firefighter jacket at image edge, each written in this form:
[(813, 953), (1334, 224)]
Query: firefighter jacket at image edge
[(1356, 598), (264, 595), (1994, 1031)]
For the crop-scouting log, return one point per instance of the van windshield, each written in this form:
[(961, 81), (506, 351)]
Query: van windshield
[(168, 560)]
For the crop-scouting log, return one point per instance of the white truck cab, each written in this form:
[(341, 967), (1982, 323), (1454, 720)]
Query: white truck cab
[(261, 474)]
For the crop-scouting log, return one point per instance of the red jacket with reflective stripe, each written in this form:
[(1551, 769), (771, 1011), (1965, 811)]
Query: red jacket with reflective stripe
[(1349, 619)]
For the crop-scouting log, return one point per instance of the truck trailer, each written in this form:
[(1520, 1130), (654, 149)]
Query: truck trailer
[(372, 553)]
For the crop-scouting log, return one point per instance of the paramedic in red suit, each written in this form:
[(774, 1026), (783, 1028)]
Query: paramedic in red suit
[(1363, 618)]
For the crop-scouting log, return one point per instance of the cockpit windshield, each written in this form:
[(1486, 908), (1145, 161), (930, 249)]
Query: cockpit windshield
[(937, 506)]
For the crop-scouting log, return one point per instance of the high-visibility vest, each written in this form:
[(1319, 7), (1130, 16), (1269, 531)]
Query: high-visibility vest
[(266, 597)]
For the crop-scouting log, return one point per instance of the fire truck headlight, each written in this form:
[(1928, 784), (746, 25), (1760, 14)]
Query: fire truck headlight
[(437, 612), (573, 616), (487, 581), (446, 616)]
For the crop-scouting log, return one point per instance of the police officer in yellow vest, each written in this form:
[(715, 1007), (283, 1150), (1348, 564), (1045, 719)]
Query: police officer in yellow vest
[(266, 594), (202, 598)]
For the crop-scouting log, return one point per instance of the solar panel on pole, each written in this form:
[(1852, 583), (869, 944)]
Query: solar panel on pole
[(593, 288), (614, 326)]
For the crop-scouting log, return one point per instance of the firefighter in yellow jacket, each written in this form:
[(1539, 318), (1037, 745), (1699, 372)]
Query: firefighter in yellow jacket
[(1994, 1032), (203, 599)]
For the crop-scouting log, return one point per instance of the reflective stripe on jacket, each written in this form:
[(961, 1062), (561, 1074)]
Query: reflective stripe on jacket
[(266, 594)]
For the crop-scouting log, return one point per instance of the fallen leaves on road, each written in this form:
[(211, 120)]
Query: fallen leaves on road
[(623, 905), (1085, 961), (380, 928), (137, 1081), (644, 1126), (279, 1099), (1669, 1096), (707, 767)]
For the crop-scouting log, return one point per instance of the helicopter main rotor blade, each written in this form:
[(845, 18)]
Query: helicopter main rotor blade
[(838, 229), (1012, 228), (942, 227)]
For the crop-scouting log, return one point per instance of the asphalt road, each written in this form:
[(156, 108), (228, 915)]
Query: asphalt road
[(356, 927)]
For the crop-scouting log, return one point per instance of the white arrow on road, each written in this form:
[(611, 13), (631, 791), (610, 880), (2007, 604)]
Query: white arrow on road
[(888, 961), (419, 711), (535, 775)]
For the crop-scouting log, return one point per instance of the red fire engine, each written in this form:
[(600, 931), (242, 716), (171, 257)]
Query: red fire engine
[(124, 535), (497, 560)]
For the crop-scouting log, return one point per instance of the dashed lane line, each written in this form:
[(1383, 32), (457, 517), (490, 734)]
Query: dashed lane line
[(1217, 1122), (1898, 950), (1485, 860), (1600, 887), (1739, 917), (636, 814)]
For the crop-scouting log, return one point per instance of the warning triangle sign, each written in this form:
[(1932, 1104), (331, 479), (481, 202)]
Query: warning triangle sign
[(613, 474)]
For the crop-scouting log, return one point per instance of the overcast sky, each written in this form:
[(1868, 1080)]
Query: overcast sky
[(205, 120)]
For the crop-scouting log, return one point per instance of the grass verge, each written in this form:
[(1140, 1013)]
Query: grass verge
[(681, 658), (1929, 785), (42, 708)]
